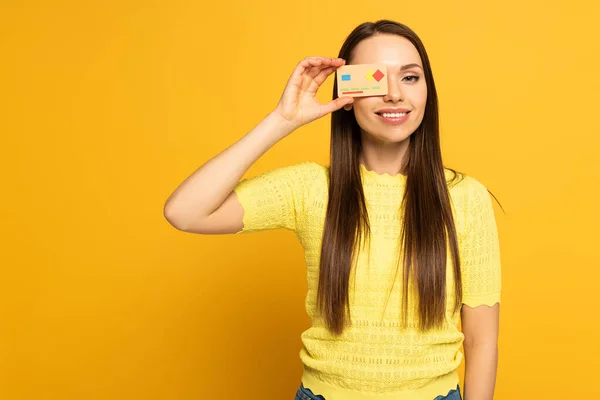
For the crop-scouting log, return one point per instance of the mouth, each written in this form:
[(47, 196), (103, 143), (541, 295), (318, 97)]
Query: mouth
[(393, 117)]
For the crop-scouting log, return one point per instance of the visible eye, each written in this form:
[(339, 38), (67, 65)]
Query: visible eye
[(412, 76)]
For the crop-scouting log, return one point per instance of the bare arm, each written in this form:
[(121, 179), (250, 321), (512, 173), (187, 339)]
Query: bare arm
[(205, 202), (195, 205), (480, 326)]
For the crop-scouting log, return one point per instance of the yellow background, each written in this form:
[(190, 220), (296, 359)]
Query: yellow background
[(107, 106)]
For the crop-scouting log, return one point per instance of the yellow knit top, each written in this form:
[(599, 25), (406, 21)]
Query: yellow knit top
[(375, 358)]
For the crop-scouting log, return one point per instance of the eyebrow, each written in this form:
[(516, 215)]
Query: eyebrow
[(407, 66)]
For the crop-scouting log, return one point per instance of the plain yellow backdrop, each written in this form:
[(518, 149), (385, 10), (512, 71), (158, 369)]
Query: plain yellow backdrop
[(107, 106)]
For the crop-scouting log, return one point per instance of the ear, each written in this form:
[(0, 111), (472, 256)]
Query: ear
[(348, 107)]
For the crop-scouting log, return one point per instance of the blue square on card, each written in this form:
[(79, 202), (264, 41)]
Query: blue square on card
[(345, 77)]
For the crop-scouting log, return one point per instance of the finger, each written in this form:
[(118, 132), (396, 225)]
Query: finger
[(305, 64), (317, 65), (314, 70), (314, 60), (326, 60), (323, 74), (334, 63), (318, 80), (323, 62), (330, 59), (325, 65), (299, 70), (336, 104), (319, 58), (338, 62), (297, 75), (312, 67)]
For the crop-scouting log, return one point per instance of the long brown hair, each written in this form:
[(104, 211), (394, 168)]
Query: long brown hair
[(427, 221)]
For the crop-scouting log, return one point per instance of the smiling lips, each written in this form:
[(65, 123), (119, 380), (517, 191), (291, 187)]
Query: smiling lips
[(392, 110), (393, 116)]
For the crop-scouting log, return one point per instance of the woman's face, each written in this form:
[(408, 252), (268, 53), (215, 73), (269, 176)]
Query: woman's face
[(378, 115)]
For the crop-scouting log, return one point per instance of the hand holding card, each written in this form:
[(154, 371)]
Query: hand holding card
[(361, 80), (298, 104)]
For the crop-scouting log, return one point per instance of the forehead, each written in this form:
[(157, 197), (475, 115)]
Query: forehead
[(390, 49)]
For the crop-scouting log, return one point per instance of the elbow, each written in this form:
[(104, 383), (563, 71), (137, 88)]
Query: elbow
[(173, 217)]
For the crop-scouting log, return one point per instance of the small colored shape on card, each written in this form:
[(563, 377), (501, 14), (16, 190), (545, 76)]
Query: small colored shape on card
[(361, 80)]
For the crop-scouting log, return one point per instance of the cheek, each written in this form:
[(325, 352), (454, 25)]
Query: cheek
[(421, 97), (364, 119), (362, 110)]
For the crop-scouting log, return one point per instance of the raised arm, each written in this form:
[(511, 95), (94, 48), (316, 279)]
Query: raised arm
[(205, 202)]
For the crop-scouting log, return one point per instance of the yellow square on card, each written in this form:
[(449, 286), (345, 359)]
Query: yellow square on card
[(361, 80)]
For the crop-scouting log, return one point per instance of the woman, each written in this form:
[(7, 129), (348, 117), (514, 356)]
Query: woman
[(385, 203)]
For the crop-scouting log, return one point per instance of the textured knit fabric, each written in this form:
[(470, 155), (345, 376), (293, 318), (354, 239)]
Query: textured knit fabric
[(375, 358)]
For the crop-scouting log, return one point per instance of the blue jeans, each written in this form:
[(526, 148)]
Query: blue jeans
[(306, 394)]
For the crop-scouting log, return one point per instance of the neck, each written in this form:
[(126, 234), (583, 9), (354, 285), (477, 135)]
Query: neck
[(384, 157)]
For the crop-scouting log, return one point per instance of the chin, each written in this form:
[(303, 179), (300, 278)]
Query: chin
[(394, 135)]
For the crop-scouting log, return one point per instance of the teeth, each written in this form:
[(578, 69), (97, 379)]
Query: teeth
[(393, 115)]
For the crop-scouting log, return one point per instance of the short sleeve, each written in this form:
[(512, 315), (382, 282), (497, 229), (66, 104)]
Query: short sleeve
[(274, 199), (480, 249)]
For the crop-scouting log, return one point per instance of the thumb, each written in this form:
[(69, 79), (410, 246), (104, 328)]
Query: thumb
[(338, 103)]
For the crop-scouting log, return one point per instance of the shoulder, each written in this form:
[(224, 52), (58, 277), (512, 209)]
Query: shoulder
[(470, 197), (302, 177), (305, 172), (312, 169), (299, 171), (464, 185)]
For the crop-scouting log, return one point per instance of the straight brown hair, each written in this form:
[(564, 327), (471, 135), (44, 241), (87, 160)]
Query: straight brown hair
[(427, 224)]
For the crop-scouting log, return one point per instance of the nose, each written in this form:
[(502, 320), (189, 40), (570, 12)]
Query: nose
[(394, 93)]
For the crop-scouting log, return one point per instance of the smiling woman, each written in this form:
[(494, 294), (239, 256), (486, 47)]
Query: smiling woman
[(387, 121), (385, 203)]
